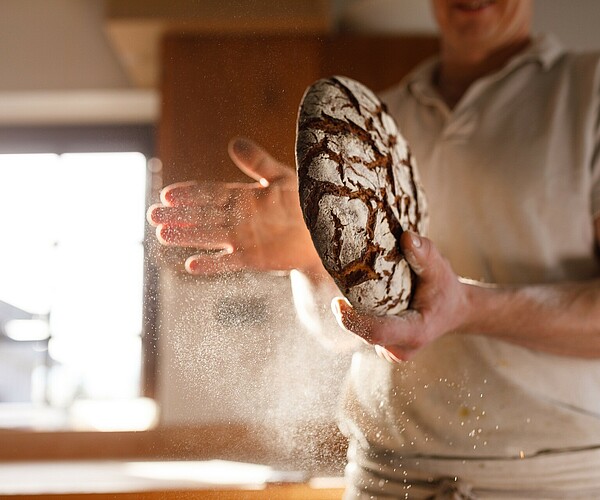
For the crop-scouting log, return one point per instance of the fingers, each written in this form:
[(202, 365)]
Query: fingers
[(194, 236), (352, 321), (216, 263), (181, 216), (396, 338), (422, 256), (202, 194), (178, 193), (416, 249), (394, 354), (256, 162), (207, 206)]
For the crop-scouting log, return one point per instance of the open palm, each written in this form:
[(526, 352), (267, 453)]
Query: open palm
[(256, 225)]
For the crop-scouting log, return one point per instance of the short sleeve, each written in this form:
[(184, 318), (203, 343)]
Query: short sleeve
[(596, 183), (595, 191)]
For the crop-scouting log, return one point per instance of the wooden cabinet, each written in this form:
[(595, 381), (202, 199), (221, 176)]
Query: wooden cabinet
[(218, 87)]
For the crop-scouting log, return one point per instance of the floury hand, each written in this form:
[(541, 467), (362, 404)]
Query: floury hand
[(254, 226)]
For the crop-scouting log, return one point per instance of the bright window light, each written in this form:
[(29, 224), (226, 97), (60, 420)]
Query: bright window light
[(72, 258)]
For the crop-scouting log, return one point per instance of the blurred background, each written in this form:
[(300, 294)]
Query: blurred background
[(102, 334)]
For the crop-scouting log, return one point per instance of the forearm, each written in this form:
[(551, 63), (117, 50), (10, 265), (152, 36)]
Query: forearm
[(561, 319)]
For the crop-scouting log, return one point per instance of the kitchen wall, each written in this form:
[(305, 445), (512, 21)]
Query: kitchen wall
[(575, 22), (57, 67), (56, 45), (61, 44)]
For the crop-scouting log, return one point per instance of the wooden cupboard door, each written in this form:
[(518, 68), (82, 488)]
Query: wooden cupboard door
[(218, 87), (377, 61)]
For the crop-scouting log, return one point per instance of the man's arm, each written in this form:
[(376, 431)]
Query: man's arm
[(561, 318)]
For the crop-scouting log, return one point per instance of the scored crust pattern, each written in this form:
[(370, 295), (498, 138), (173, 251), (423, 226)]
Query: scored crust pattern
[(359, 190)]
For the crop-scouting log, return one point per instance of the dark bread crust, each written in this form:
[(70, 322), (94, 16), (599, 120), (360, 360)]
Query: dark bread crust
[(359, 190)]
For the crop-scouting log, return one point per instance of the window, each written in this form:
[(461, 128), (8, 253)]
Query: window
[(72, 290)]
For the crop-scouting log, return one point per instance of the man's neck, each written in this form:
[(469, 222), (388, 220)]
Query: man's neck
[(459, 69)]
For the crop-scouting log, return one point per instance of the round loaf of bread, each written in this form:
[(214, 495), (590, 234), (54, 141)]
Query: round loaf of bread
[(359, 190)]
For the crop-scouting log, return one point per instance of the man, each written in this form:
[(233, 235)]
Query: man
[(493, 390)]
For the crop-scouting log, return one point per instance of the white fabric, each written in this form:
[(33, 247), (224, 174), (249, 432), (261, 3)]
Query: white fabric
[(565, 475), (512, 175)]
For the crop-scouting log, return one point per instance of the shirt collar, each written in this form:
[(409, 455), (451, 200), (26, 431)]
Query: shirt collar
[(545, 49)]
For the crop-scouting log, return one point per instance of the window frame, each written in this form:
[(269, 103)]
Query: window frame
[(39, 139)]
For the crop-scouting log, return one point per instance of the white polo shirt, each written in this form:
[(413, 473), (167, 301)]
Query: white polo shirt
[(512, 175)]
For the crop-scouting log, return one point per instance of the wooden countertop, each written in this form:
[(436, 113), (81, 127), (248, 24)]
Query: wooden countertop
[(164, 480)]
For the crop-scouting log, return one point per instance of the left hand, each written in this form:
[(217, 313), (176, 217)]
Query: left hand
[(254, 226), (438, 307)]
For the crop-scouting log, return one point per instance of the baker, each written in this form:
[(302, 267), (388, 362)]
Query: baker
[(488, 386)]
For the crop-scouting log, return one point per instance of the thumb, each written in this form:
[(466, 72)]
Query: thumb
[(420, 253), (255, 162)]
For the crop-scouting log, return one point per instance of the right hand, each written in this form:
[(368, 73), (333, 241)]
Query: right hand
[(256, 226), (441, 305)]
